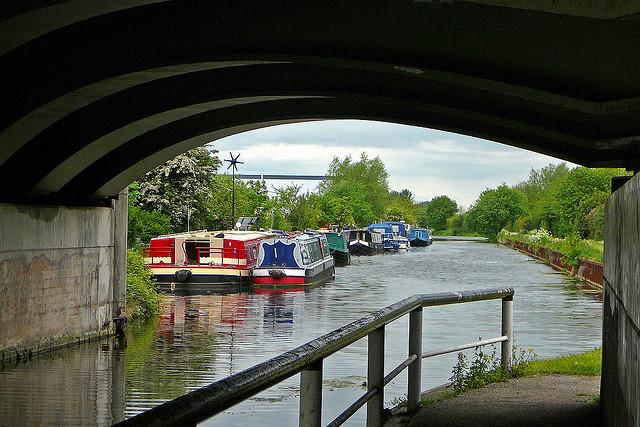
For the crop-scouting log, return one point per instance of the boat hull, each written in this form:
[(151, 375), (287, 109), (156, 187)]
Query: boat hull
[(341, 258), (364, 248), (420, 242), (291, 277), (200, 279)]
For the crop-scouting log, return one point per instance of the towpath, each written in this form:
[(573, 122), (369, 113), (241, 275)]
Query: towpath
[(549, 400)]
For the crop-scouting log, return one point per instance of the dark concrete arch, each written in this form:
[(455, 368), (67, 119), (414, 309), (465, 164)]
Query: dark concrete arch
[(92, 80)]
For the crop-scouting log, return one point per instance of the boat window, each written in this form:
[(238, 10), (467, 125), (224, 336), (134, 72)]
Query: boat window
[(304, 252), (325, 248)]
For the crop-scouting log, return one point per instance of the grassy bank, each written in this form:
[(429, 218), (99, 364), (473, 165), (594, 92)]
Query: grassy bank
[(589, 363), (484, 368), (573, 248), (143, 298)]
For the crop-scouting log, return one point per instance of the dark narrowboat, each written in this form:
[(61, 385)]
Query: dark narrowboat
[(365, 242)]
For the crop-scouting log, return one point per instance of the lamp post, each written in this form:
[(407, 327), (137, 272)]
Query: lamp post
[(233, 162)]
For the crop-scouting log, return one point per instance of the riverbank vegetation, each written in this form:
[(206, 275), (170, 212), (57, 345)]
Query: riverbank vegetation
[(573, 248), (569, 203), (142, 298), (188, 192), (484, 368)]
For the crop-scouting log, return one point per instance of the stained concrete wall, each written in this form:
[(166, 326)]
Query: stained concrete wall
[(620, 391), (62, 272)]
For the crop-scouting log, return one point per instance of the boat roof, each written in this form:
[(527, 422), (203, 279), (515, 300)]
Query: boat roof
[(384, 225), (228, 234)]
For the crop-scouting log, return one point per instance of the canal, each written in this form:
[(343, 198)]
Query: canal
[(199, 339)]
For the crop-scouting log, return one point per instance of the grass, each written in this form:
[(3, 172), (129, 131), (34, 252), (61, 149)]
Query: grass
[(589, 363), (484, 369)]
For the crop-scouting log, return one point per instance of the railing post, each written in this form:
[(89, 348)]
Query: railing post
[(507, 329), (375, 377), (415, 369), (311, 396)]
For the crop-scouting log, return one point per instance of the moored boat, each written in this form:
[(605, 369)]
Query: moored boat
[(420, 237), (365, 242), (400, 233), (390, 240), (338, 247), (202, 260), (303, 260)]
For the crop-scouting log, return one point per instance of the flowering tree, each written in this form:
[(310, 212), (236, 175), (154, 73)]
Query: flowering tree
[(181, 183)]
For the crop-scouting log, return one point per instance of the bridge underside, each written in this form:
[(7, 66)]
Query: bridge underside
[(101, 92), (96, 93)]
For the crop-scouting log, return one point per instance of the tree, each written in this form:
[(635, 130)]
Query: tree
[(494, 210), (252, 199), (580, 192), (144, 225), (541, 180), (455, 223), (401, 207), (363, 184), (182, 183), (437, 211)]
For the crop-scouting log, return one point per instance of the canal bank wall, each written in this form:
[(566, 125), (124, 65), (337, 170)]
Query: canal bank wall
[(620, 387), (591, 272), (62, 275)]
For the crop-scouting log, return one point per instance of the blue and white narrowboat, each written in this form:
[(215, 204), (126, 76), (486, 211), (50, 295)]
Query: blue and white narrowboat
[(400, 230), (390, 240), (300, 261), (420, 237)]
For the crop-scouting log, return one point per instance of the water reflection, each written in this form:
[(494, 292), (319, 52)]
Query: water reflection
[(84, 385), (198, 339)]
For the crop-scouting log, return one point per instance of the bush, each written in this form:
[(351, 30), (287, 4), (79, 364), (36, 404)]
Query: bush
[(143, 298), (485, 368)]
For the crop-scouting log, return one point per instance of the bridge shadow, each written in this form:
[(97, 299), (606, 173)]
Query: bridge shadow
[(550, 400)]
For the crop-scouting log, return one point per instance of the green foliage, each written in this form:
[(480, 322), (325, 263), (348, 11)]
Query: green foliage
[(252, 199), (183, 181), (485, 368), (455, 223), (573, 247), (589, 363), (494, 210), (401, 207), (581, 191), (144, 225), (437, 211), (358, 193), (143, 299), (542, 180)]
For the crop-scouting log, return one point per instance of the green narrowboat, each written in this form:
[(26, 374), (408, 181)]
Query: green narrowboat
[(338, 246)]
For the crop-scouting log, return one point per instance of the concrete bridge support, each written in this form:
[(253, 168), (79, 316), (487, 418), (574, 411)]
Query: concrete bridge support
[(62, 274), (620, 390)]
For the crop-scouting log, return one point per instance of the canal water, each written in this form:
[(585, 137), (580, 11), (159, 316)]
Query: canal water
[(199, 339)]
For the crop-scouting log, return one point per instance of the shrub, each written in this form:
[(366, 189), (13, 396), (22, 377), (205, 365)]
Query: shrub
[(143, 298), (485, 368)]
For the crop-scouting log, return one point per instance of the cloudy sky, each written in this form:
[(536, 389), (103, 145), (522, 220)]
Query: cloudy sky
[(427, 162)]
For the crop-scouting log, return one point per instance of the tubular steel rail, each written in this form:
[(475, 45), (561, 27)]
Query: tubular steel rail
[(307, 359)]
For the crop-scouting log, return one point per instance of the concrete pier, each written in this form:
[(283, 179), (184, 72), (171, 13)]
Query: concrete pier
[(621, 317), (62, 275)]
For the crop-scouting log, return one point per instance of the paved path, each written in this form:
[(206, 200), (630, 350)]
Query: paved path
[(550, 400)]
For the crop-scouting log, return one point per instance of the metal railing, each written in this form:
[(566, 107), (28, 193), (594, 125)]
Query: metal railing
[(226, 257), (307, 359)]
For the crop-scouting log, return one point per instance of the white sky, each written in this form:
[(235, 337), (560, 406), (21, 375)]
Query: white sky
[(427, 162)]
